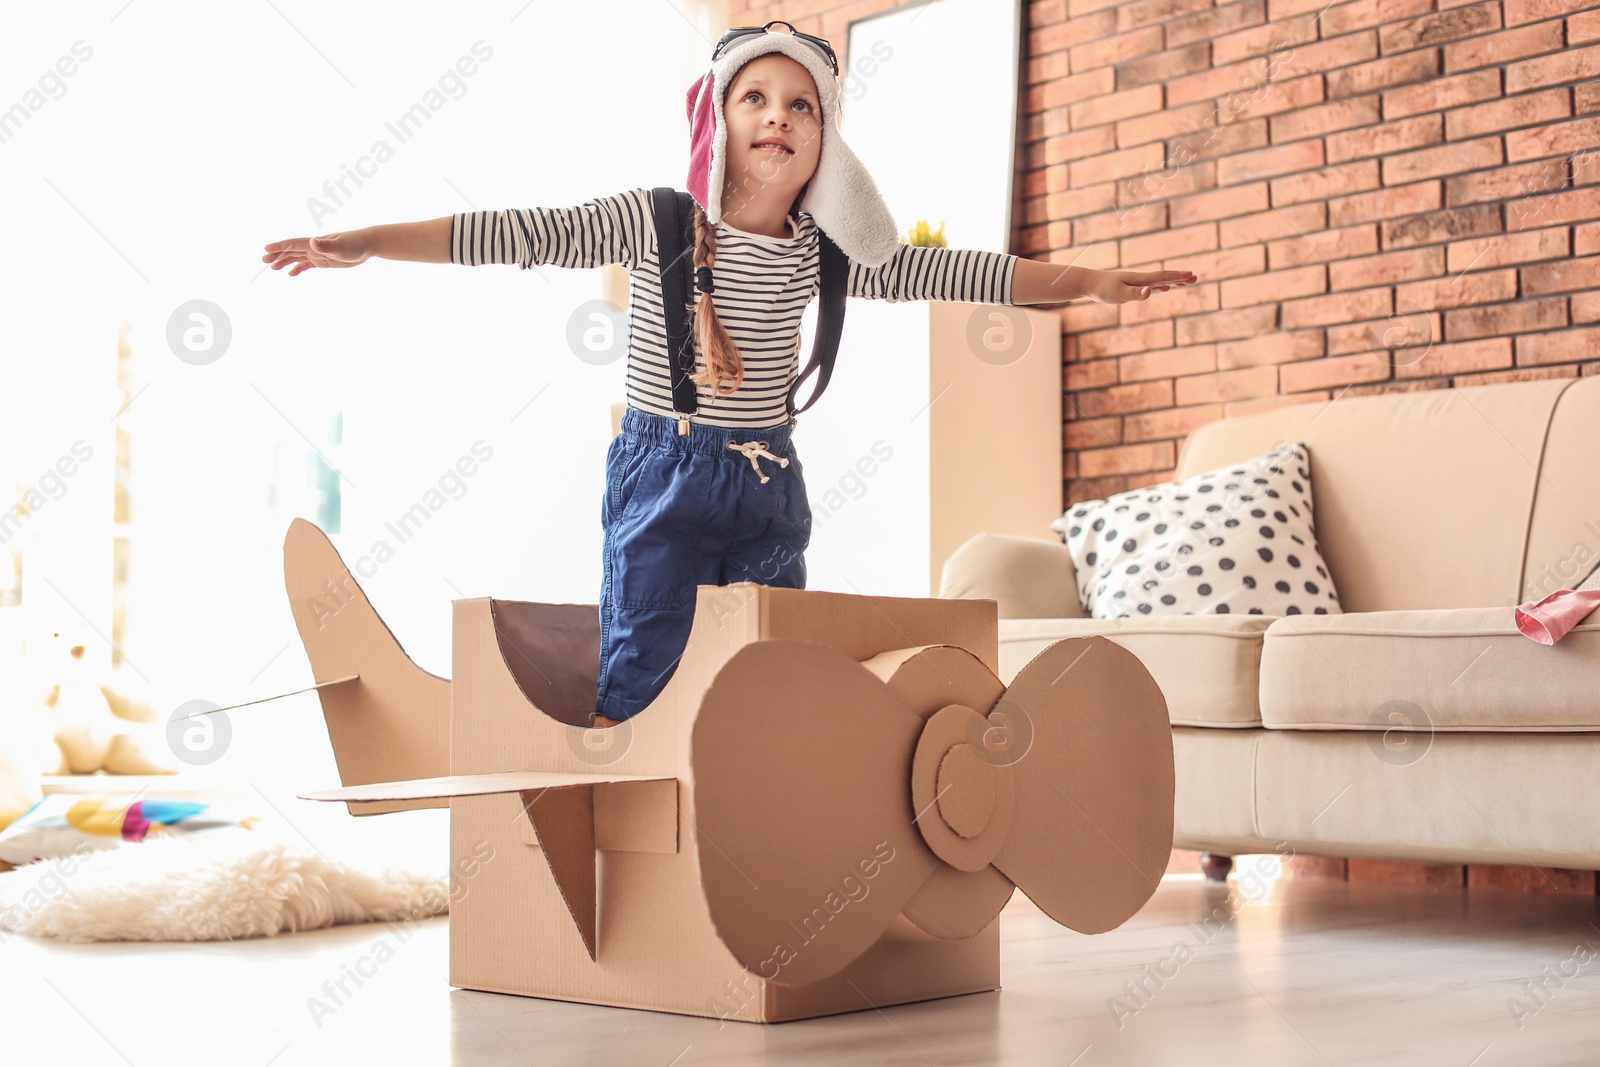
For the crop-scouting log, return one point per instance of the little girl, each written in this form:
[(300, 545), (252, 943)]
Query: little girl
[(717, 495)]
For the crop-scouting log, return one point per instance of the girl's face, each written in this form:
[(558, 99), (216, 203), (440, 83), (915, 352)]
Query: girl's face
[(774, 123)]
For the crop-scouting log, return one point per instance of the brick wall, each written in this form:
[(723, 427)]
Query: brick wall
[(1377, 196)]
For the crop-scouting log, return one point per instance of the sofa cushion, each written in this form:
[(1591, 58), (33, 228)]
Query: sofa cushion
[(1236, 540), (1445, 669), (1207, 666)]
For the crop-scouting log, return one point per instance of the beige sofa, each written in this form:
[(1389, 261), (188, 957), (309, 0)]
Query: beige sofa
[(1419, 724)]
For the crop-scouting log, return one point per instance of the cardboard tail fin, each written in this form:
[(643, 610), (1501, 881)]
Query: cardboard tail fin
[(393, 722)]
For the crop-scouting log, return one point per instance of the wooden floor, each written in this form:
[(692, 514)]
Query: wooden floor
[(1287, 972)]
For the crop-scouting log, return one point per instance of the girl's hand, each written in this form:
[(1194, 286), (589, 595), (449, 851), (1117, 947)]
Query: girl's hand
[(330, 250), (1121, 286)]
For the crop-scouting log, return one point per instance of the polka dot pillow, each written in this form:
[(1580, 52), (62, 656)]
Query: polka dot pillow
[(1238, 540)]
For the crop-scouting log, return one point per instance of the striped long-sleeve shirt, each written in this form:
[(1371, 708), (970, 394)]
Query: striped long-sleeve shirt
[(763, 284)]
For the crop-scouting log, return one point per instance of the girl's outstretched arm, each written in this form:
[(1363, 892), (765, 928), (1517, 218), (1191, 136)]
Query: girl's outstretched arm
[(1037, 282), (419, 242)]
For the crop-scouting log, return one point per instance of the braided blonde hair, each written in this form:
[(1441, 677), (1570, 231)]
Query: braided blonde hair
[(723, 361)]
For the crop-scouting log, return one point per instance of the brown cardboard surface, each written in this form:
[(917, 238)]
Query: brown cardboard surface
[(783, 743), (394, 721)]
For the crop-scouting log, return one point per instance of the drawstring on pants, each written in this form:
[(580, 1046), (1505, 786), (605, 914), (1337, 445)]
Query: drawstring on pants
[(752, 449)]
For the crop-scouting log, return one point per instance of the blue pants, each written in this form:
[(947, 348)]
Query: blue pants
[(680, 512)]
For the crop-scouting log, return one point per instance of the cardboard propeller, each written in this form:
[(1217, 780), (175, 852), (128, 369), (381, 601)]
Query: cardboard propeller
[(1060, 784)]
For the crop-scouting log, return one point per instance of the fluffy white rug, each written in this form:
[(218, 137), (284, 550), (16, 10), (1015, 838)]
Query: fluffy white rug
[(214, 886)]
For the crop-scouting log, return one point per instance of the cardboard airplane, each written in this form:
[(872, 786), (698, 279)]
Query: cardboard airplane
[(824, 811)]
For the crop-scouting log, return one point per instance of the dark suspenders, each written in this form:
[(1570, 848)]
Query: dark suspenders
[(674, 214)]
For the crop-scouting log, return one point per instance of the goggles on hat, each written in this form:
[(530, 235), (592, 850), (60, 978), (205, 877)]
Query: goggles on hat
[(740, 32)]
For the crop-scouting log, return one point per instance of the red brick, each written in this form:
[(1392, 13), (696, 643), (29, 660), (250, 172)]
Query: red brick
[(1560, 346), (1490, 353), (1504, 114), (1446, 159), (1459, 291), (1260, 40), (1161, 184), (1579, 135), (1070, 147), (1114, 165), (1125, 339), (1173, 422), (1583, 28), (1439, 27), (1586, 307), (1406, 328), (1149, 12), (1226, 325), (1586, 97), (1201, 237), (1482, 253), (1323, 245), (1384, 204), (1168, 363), (1276, 286), (1437, 226), (1561, 277), (1112, 225), (1522, 316), (1333, 372), (1090, 374), (1336, 307), (1069, 90), (1215, 266), (1407, 873), (1385, 139), (1082, 317), (1121, 399), (1503, 47), (1266, 225), (1586, 239), (1280, 347), (1247, 76), (1117, 48), (1357, 111), (1114, 106), (1520, 11), (1093, 433), (1212, 142), (1506, 183), (1570, 65), (1227, 385), (1123, 459), (1574, 205), (1217, 204), (1085, 490), (1382, 73), (1159, 67), (1525, 374), (1078, 202), (1347, 18), (1386, 269), (1239, 408), (1061, 35), (1327, 56), (1046, 68), (1322, 184), (1185, 300), (1210, 24), (1269, 162), (1441, 93)]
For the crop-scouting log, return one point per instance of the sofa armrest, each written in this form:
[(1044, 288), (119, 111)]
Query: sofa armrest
[(1029, 578)]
